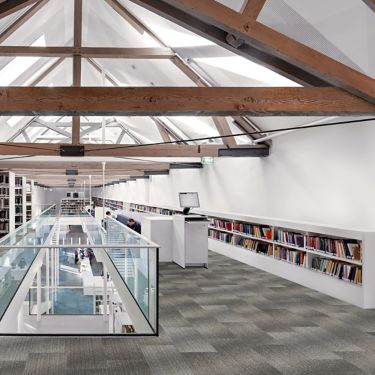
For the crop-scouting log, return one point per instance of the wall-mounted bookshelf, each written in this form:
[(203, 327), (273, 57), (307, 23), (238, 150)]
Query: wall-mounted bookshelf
[(15, 202), (109, 203), (29, 199), (335, 261), (4, 203), (73, 206), (19, 201)]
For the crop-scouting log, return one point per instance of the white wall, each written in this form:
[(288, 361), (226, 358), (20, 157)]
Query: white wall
[(324, 175)]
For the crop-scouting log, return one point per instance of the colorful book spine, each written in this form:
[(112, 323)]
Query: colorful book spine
[(291, 256), (340, 270)]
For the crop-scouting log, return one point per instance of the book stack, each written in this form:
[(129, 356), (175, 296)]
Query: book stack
[(258, 247), (225, 237), (291, 238), (343, 271), (349, 249), (291, 256), (227, 225), (253, 230)]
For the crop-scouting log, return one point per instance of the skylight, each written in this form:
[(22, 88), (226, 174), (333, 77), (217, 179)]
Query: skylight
[(247, 68), (15, 68)]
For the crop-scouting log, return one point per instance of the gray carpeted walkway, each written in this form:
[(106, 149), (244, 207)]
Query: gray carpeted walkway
[(229, 319)]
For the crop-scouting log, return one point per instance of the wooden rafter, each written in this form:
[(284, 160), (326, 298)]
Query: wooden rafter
[(12, 6), (22, 19), (223, 128), (169, 101), (97, 52), (210, 17), (252, 8)]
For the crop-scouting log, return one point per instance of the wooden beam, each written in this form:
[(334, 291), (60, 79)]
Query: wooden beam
[(256, 35), (171, 150), (248, 126), (163, 132), (370, 4), (98, 52), (252, 8), (189, 101), (22, 19), (12, 6), (223, 128)]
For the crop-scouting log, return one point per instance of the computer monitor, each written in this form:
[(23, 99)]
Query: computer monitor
[(189, 200)]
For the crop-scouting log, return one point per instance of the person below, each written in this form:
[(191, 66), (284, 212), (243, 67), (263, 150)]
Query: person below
[(132, 224)]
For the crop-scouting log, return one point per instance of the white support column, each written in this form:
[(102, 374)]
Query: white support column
[(47, 279), (52, 280), (57, 267), (90, 192), (105, 299), (38, 295), (103, 188)]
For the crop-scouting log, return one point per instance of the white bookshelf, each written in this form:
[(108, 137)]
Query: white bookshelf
[(13, 202), (362, 295)]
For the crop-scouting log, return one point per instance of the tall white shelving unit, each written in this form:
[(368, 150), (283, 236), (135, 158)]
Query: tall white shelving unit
[(13, 202)]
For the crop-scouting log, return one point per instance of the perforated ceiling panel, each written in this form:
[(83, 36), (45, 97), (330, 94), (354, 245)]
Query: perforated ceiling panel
[(341, 29)]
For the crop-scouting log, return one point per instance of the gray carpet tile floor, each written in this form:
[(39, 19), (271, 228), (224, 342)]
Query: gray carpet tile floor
[(228, 319)]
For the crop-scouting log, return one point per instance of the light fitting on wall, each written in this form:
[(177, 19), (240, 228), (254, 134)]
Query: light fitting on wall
[(207, 160)]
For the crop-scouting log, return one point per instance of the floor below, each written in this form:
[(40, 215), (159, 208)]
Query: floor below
[(228, 319)]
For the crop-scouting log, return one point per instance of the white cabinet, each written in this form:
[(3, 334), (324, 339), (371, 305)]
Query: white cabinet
[(190, 242)]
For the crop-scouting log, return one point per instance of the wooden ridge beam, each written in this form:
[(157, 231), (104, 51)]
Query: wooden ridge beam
[(248, 32), (189, 101), (86, 52), (171, 150), (12, 6)]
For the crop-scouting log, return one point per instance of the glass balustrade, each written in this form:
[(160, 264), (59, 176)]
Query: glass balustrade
[(72, 268)]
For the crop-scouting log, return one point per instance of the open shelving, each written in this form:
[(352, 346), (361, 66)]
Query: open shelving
[(335, 261), (109, 203), (73, 206)]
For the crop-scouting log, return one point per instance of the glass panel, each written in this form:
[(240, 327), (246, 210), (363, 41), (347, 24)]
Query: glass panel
[(104, 27), (318, 25), (153, 288), (233, 4), (53, 22), (14, 264), (68, 301), (133, 266), (133, 72)]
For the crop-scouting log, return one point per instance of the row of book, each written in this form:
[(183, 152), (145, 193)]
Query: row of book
[(341, 248), (222, 224), (4, 191), (4, 203), (338, 269), (4, 226), (249, 229), (259, 231), (291, 238), (292, 256), (216, 235), (258, 247), (4, 179)]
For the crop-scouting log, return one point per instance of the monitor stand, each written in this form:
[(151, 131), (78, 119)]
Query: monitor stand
[(186, 211)]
